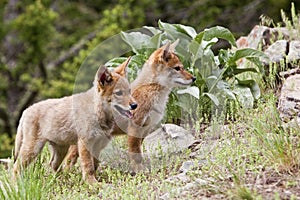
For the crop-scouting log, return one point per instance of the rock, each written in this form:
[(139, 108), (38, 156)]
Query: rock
[(201, 182), (170, 138), (289, 72), (289, 100), (182, 191), (182, 177), (262, 35), (165, 196), (294, 51), (186, 166), (253, 39), (6, 162), (277, 51), (282, 49)]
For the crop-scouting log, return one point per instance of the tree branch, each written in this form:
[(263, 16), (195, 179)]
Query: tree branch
[(73, 51)]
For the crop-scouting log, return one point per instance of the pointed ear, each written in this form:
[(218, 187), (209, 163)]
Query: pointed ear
[(173, 46), (166, 52), (168, 49), (122, 69), (103, 76)]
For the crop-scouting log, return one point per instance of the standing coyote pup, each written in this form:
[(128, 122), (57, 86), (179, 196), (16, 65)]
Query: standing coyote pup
[(162, 72), (86, 118)]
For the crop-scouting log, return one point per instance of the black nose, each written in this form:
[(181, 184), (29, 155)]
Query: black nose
[(133, 106), (194, 78)]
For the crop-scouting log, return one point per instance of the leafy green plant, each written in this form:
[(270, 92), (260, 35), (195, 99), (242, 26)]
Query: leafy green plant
[(218, 77)]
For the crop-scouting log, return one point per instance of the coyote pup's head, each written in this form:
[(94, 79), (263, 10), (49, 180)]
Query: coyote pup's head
[(114, 88), (168, 69)]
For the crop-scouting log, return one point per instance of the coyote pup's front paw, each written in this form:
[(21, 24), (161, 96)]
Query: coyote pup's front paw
[(137, 168), (91, 180)]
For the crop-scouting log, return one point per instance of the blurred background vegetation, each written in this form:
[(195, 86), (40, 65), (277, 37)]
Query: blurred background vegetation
[(43, 43)]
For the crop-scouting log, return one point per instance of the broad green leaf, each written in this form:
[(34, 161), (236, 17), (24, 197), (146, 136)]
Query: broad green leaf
[(248, 53), (229, 93), (179, 28), (193, 91), (216, 32), (169, 28), (207, 44), (183, 105), (223, 56), (188, 30), (252, 85), (252, 55), (199, 37), (153, 30), (211, 80), (173, 33), (212, 97), (222, 85), (155, 41), (230, 72), (136, 40), (242, 70), (244, 96), (196, 50), (257, 61)]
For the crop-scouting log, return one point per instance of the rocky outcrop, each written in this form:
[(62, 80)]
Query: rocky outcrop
[(289, 100), (282, 46)]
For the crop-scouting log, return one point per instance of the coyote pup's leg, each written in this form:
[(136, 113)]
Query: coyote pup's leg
[(72, 156), (58, 154), (29, 150), (87, 163), (135, 154)]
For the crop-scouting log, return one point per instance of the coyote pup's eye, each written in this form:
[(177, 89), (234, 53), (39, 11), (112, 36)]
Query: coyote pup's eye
[(119, 93), (177, 68)]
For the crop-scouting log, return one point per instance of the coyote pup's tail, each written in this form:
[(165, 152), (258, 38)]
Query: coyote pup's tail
[(19, 139)]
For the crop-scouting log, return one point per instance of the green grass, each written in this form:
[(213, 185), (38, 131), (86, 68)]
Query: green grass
[(256, 157)]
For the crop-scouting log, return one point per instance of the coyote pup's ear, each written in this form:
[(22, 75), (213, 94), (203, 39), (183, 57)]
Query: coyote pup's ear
[(103, 76), (173, 46), (122, 69), (168, 49), (166, 52)]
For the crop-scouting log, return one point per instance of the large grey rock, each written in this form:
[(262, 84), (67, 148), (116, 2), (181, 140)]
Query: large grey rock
[(289, 100), (282, 49), (294, 51), (277, 51), (253, 39), (170, 138), (6, 162)]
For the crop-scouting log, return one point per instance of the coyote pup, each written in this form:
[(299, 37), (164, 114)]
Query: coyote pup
[(162, 72), (85, 119)]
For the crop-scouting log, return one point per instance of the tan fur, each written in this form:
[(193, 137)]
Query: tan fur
[(85, 118), (150, 90)]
